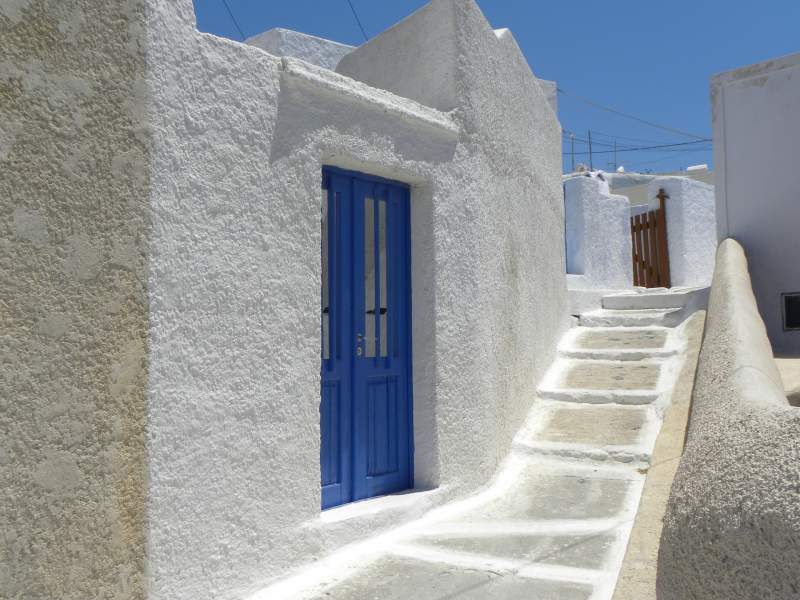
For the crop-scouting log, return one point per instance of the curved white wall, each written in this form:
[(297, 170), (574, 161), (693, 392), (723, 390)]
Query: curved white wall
[(733, 519)]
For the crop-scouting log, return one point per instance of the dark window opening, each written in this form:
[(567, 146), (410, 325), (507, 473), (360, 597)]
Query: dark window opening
[(791, 311)]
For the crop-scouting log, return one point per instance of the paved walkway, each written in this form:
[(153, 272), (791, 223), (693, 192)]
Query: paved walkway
[(556, 522)]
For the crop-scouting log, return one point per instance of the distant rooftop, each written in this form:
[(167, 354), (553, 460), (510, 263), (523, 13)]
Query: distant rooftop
[(310, 48)]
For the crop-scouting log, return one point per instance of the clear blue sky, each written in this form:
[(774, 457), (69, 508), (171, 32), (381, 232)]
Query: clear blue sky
[(646, 58)]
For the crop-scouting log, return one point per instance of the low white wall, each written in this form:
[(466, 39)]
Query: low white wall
[(598, 235), (732, 526), (756, 131), (691, 228)]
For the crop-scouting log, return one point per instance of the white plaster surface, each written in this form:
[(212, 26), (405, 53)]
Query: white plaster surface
[(691, 229), (598, 238), (234, 281), (756, 128), (549, 88), (294, 44), (733, 520)]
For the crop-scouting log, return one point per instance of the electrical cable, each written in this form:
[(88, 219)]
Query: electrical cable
[(360, 26), (640, 148), (629, 116), (235, 22)]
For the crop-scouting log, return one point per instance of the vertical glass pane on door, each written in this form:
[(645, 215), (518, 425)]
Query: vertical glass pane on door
[(384, 274), (369, 278), (326, 335)]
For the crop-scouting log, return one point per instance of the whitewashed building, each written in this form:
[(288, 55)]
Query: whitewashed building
[(175, 306), (756, 133)]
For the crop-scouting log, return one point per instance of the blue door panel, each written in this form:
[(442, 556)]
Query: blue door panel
[(330, 413), (382, 419), (365, 411), (336, 371)]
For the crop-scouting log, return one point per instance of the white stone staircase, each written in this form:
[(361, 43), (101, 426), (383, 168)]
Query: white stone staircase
[(604, 396)]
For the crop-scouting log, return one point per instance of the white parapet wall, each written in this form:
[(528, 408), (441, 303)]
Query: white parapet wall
[(165, 259), (310, 48), (732, 525), (691, 228), (598, 235), (756, 125)]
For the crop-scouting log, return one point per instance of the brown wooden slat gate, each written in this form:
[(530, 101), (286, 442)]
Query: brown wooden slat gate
[(650, 248)]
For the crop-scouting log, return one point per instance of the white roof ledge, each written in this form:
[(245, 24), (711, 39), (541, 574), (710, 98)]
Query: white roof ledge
[(387, 101)]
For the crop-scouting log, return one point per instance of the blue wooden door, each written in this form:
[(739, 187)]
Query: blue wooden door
[(365, 410)]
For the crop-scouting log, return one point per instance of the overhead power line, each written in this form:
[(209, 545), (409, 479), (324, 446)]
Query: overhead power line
[(628, 116), (360, 26), (611, 136), (643, 148), (573, 136), (235, 22)]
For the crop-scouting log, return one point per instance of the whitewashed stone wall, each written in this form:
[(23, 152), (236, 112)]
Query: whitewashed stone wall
[(598, 236), (756, 131), (691, 228)]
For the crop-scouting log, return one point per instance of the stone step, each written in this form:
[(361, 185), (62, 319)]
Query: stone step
[(604, 317), (632, 455), (655, 298), (606, 374), (602, 381), (587, 396), (547, 488), (588, 432), (618, 343), (621, 355)]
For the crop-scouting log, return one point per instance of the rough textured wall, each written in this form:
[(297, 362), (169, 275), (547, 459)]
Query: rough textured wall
[(422, 47), (518, 227), (73, 307), (732, 529), (233, 285), (598, 235), (691, 229), (756, 128)]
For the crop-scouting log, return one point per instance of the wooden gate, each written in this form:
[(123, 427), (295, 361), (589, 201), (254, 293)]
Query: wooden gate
[(649, 246)]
